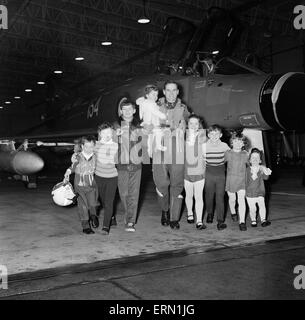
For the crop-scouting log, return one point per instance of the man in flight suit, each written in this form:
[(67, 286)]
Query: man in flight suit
[(168, 166)]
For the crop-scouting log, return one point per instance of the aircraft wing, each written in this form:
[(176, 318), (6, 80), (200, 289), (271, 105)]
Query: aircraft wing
[(67, 135)]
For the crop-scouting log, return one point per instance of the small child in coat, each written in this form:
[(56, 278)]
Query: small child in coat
[(151, 115), (83, 164), (255, 188)]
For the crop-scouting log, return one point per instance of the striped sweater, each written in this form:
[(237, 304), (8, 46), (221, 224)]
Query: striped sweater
[(106, 159), (215, 154)]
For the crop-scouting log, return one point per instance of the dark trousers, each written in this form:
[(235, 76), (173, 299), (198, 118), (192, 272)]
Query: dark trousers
[(129, 189), (87, 201), (215, 188), (106, 189), (169, 181)]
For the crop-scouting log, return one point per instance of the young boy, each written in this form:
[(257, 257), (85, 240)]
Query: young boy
[(215, 175), (129, 162), (84, 184)]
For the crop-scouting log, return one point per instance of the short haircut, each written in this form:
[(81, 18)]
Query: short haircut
[(256, 150), (238, 135), (170, 82), (103, 126), (85, 139), (149, 88), (127, 103), (214, 127), (195, 116)]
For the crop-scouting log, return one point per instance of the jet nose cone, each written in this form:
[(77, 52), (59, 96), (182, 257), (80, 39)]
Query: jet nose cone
[(26, 162), (288, 100)]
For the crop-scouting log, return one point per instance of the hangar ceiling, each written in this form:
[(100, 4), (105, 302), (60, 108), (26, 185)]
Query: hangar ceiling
[(47, 35)]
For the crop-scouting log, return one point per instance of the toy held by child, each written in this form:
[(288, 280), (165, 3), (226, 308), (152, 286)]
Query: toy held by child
[(83, 164), (151, 115), (256, 173)]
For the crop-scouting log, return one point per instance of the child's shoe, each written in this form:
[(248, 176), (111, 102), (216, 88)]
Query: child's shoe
[(200, 226), (253, 224), (88, 231), (221, 226), (105, 231), (190, 219), (266, 223), (130, 227), (242, 227), (174, 224)]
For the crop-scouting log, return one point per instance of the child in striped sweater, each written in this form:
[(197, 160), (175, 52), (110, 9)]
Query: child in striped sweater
[(215, 175), (106, 174)]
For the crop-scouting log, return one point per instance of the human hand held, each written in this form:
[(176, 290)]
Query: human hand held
[(266, 170), (118, 132), (67, 176), (74, 158)]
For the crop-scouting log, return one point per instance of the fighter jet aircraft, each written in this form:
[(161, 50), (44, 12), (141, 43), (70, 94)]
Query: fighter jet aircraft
[(218, 88)]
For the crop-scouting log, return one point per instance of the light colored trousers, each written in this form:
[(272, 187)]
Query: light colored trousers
[(241, 204), (260, 201), (194, 189)]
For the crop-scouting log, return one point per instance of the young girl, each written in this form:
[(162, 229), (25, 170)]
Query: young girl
[(106, 174), (255, 189), (237, 159), (151, 115), (83, 164), (194, 174)]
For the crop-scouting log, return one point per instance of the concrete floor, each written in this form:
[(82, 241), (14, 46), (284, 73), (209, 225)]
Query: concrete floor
[(35, 234), (261, 271)]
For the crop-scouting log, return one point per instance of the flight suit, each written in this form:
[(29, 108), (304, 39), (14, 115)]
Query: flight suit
[(168, 166)]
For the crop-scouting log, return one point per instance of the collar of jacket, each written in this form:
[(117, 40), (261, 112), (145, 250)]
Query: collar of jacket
[(169, 105)]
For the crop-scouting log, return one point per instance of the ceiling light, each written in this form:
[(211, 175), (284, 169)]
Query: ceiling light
[(28, 90), (41, 82), (215, 52), (1, 107), (7, 102), (79, 58), (143, 20), (106, 42), (267, 34), (58, 71), (17, 97)]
